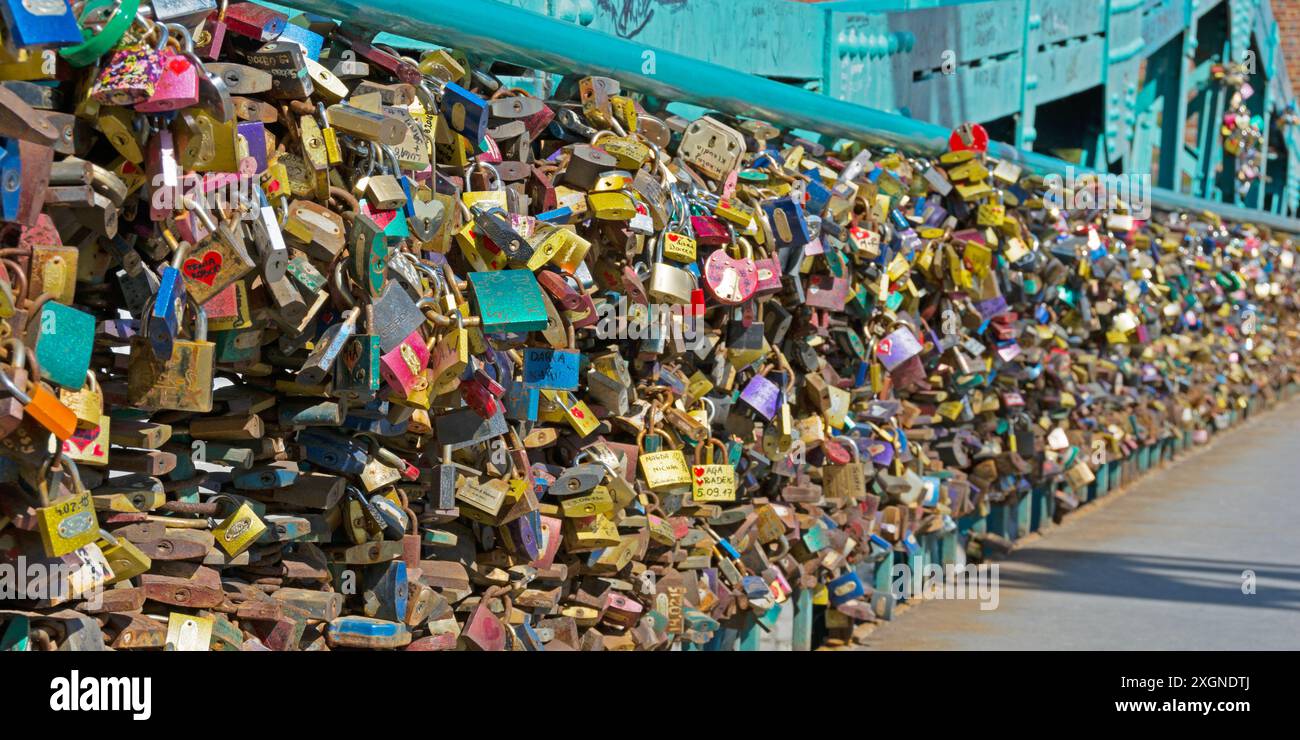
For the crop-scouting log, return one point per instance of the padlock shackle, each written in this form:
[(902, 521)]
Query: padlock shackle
[(13, 272), (13, 389), (108, 537), (711, 443), (200, 333), (47, 469), (19, 353), (850, 444), (480, 164)]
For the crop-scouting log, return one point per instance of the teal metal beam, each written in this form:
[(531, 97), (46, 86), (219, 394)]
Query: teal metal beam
[(496, 31)]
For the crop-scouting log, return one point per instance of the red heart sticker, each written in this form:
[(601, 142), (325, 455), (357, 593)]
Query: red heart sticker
[(672, 237), (178, 65), (699, 471), (204, 271), (884, 347)]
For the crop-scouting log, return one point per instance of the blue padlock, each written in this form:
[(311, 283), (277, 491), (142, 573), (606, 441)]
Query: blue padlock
[(163, 321), (845, 588), (789, 225), (266, 479), (364, 632), (562, 215), (819, 196), (11, 180), (521, 402), (310, 41), (552, 369), (40, 23), (332, 452), (466, 112)]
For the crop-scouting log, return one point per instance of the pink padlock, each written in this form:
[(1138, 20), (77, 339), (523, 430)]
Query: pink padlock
[(621, 611), (492, 154), (402, 367), (177, 88), (709, 231)]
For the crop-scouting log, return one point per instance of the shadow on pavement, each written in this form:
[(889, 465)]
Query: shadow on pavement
[(1157, 577)]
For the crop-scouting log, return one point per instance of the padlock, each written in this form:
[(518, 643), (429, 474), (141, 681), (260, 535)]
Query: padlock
[(845, 479), (730, 280), (178, 85), (42, 406), (467, 337), (65, 523), (124, 557), (712, 481), (63, 341), (182, 381), (663, 469), (87, 403), (132, 72), (403, 366)]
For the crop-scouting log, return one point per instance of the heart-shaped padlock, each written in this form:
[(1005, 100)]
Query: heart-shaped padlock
[(730, 280)]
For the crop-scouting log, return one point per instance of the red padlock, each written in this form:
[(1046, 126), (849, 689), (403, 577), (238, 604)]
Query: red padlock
[(969, 136)]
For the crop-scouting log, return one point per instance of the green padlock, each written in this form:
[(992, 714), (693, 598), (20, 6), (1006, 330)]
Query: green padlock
[(96, 45), (509, 301), (64, 341)]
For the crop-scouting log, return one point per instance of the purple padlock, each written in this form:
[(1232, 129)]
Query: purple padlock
[(882, 453), (1009, 351), (897, 347), (763, 396), (995, 306)]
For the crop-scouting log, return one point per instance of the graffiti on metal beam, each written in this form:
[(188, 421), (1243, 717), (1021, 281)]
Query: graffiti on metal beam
[(630, 17)]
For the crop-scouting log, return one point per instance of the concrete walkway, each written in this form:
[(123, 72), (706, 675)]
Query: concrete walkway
[(1159, 568)]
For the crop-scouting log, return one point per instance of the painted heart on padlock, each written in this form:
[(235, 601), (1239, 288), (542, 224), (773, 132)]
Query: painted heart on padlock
[(699, 474), (898, 347), (176, 88), (205, 270), (730, 280), (84, 438)]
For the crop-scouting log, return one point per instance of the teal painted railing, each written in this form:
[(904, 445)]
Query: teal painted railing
[(493, 30)]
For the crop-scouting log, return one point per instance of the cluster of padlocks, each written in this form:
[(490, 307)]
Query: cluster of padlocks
[(1242, 130), (312, 343)]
